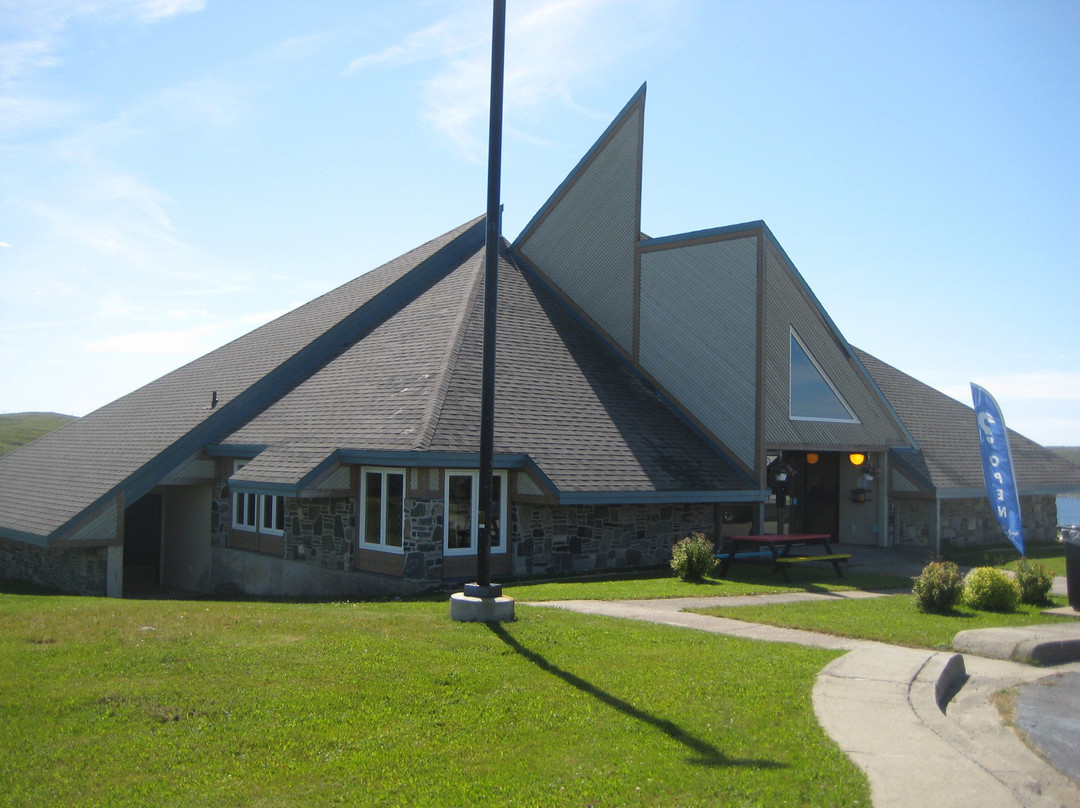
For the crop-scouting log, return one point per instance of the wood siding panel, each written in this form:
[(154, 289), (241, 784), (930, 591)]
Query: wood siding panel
[(787, 305), (586, 243), (699, 333)]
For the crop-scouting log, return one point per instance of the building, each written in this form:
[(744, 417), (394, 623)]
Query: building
[(647, 388)]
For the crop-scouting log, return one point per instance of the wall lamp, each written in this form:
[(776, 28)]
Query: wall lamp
[(857, 458)]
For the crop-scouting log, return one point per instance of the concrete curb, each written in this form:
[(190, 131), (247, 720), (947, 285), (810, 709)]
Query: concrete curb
[(1044, 645)]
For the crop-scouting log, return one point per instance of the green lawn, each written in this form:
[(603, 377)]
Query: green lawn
[(135, 703), (892, 619), (1051, 556), (743, 579)]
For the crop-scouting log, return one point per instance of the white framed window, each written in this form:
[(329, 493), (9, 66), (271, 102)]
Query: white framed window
[(462, 506), (263, 513), (245, 511), (812, 396), (382, 498), (272, 514)]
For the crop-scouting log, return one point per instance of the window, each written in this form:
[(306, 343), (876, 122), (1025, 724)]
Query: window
[(812, 395), (382, 497), (462, 512), (264, 513), (273, 514)]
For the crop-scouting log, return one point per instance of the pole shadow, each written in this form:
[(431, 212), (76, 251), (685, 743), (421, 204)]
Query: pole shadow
[(703, 752)]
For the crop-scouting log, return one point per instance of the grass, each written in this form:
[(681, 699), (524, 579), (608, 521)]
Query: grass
[(18, 429), (133, 703), (893, 619), (743, 579), (1051, 556)]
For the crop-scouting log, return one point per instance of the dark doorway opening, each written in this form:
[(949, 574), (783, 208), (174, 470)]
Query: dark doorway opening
[(142, 541), (817, 509)]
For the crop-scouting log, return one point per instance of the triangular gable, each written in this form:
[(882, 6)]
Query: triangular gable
[(584, 239), (790, 307)]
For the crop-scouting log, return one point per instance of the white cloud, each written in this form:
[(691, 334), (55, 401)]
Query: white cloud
[(192, 341), (154, 10), (551, 45)]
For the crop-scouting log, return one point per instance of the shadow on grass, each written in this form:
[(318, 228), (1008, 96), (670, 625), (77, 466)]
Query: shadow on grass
[(705, 754)]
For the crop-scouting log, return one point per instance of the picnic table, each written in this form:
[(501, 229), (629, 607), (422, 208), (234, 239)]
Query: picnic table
[(779, 548)]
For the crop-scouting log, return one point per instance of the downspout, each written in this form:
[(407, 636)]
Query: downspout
[(935, 525)]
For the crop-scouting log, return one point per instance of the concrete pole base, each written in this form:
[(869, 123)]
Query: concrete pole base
[(466, 609)]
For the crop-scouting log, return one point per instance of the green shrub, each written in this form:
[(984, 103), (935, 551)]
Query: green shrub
[(938, 587), (692, 557), (988, 589), (1034, 581)]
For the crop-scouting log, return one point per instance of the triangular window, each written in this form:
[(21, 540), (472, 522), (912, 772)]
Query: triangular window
[(813, 397)]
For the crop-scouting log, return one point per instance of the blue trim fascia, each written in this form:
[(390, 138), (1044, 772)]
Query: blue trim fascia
[(24, 537), (678, 239), (1023, 491), (293, 370), (289, 489), (419, 459), (572, 177), (660, 497), (236, 451)]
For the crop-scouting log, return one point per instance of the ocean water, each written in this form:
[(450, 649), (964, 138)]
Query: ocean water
[(1068, 510)]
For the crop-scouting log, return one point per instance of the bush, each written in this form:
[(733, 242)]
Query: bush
[(1034, 581), (692, 557), (988, 589), (938, 587)]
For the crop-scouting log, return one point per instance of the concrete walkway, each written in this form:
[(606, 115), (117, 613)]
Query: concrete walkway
[(921, 724)]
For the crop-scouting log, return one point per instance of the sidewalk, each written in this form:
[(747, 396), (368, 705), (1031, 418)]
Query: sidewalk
[(921, 724)]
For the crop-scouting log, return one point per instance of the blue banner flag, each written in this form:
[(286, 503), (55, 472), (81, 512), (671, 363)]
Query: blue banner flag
[(997, 466)]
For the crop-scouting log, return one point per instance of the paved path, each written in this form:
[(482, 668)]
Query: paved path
[(921, 724)]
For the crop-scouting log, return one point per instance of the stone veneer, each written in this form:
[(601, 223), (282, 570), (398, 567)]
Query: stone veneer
[(320, 531), (562, 539), (971, 521), (544, 539), (75, 570)]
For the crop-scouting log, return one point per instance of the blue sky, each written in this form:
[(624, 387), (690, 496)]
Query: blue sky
[(174, 173)]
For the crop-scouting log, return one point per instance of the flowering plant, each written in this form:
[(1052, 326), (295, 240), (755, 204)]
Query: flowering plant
[(870, 471), (781, 469)]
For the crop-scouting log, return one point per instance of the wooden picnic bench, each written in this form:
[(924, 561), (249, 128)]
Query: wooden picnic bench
[(779, 548)]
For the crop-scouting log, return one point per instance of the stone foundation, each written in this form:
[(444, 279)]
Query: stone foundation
[(559, 540), (971, 522), (75, 570)]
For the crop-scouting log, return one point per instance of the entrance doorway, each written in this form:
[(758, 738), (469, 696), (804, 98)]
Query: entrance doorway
[(142, 541), (819, 501)]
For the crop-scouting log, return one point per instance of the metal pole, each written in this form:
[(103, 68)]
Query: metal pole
[(491, 274)]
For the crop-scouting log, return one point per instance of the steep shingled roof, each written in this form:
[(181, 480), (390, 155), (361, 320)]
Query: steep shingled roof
[(54, 483), (564, 398), (946, 434)]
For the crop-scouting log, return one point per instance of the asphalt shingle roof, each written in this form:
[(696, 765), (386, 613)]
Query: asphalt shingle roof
[(52, 483), (947, 436), (562, 396)]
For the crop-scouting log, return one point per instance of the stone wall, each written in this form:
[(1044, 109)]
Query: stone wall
[(910, 522), (75, 570), (557, 540), (320, 531), (971, 522)]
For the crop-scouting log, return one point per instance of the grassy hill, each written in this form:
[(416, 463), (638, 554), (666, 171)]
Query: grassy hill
[(1068, 452), (20, 428)]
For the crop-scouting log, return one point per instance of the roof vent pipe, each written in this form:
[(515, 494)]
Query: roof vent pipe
[(213, 399)]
